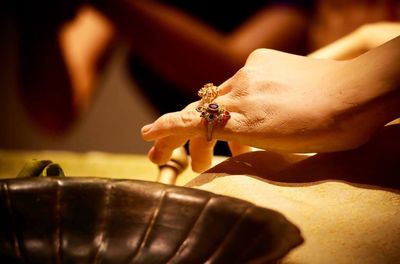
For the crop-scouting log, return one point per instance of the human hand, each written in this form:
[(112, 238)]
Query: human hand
[(365, 38), (281, 102)]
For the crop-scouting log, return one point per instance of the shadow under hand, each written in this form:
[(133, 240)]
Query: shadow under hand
[(375, 163)]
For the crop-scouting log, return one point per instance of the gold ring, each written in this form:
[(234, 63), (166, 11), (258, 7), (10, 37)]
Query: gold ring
[(208, 93), (212, 114)]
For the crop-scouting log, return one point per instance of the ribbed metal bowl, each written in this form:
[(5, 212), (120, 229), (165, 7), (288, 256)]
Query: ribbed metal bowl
[(94, 220)]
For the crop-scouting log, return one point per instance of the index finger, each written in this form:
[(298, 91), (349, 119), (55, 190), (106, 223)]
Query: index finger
[(188, 123), (184, 123)]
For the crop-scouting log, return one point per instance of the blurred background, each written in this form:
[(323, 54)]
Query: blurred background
[(37, 108), (87, 75)]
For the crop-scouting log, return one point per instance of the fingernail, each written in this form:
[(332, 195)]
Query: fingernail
[(146, 128)]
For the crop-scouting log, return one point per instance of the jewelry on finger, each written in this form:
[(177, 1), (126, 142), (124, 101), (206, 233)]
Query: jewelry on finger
[(208, 93), (213, 114)]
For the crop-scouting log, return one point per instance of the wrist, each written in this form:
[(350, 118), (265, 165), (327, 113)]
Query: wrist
[(364, 95), (381, 80), (371, 95), (380, 67)]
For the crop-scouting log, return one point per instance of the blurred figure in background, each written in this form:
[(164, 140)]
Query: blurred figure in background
[(178, 46), (54, 50)]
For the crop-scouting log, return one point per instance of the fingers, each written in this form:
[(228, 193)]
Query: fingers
[(188, 121), (237, 148), (172, 130), (201, 152), (185, 122), (161, 152), (188, 124)]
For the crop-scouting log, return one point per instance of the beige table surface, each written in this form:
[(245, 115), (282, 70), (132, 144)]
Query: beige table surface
[(341, 223), (93, 164)]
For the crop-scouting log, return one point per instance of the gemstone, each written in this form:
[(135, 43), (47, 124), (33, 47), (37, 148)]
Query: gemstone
[(226, 116), (213, 107)]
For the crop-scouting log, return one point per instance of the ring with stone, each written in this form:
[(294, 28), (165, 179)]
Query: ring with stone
[(208, 93), (213, 114)]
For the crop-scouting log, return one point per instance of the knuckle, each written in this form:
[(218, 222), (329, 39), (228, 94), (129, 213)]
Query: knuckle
[(163, 121), (187, 118), (367, 29), (259, 54), (363, 30)]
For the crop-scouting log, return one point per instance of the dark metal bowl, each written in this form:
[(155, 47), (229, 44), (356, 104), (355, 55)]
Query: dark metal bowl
[(93, 220)]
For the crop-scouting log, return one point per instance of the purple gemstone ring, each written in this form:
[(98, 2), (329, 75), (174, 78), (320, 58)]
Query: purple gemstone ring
[(212, 114)]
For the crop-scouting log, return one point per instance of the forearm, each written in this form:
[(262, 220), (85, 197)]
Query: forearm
[(278, 27), (375, 76), (181, 48), (379, 70), (175, 45), (345, 48)]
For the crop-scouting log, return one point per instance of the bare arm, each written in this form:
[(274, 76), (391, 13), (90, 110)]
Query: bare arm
[(189, 52), (365, 38)]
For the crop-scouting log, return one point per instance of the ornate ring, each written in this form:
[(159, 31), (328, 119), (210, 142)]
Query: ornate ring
[(212, 114), (208, 93)]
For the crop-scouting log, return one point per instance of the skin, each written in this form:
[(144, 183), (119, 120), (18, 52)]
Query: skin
[(83, 58), (363, 39), (290, 103)]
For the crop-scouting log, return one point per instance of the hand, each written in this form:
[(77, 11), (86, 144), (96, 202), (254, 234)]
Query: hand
[(289, 103)]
